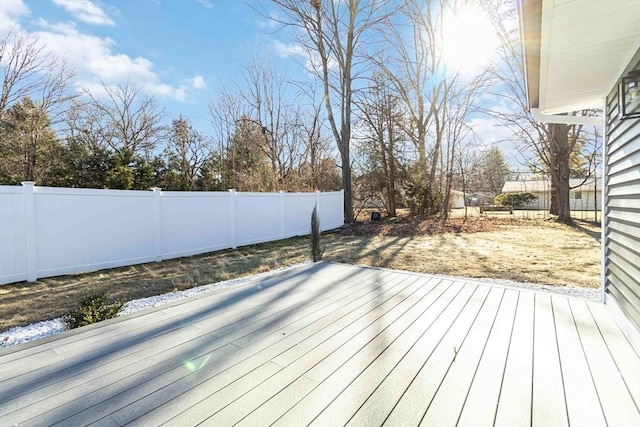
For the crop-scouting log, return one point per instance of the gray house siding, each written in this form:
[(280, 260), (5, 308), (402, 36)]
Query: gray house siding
[(622, 209)]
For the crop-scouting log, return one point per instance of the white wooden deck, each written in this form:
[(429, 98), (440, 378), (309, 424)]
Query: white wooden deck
[(330, 344)]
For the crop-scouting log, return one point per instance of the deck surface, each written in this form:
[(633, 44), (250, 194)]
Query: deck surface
[(331, 344)]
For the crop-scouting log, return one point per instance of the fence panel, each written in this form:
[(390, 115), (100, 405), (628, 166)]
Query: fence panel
[(86, 229), (13, 250), (331, 210), (52, 231), (297, 213), (195, 223), (258, 217)]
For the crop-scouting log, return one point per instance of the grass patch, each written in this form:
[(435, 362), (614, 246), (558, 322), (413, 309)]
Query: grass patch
[(523, 250)]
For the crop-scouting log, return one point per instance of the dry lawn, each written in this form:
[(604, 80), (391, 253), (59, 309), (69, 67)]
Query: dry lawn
[(515, 249), (524, 251)]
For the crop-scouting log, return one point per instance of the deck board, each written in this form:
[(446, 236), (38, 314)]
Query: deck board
[(242, 330), (161, 384), (583, 405), (482, 400), (447, 404), (619, 347), (415, 401), (188, 409), (514, 403), (549, 406), (356, 383), (332, 344), (618, 405), (337, 344), (153, 326), (279, 404)]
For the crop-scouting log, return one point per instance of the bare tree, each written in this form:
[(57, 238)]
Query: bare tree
[(224, 113), (547, 145), (82, 124), (127, 120), (452, 124), (24, 63), (332, 31), (382, 123), (315, 147), (437, 102), (272, 105), (41, 79), (415, 69), (186, 151)]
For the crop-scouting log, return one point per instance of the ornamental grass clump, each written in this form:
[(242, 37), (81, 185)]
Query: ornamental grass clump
[(316, 250), (94, 307)]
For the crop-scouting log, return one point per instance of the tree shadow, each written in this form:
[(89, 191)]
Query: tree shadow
[(596, 235), (208, 352)]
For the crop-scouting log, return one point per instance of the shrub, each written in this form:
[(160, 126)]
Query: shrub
[(316, 250), (517, 200), (94, 307)]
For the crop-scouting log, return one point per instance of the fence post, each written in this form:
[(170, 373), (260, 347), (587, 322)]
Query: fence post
[(281, 214), (234, 219), (342, 204), (157, 205), (318, 207), (30, 230)]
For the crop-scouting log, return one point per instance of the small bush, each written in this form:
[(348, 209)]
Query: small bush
[(316, 250), (94, 307), (517, 200)]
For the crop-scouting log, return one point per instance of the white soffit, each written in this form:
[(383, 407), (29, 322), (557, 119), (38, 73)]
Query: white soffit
[(585, 46)]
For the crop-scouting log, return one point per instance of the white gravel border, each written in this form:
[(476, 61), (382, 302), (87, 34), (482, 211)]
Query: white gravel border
[(34, 331), (592, 294), (22, 334)]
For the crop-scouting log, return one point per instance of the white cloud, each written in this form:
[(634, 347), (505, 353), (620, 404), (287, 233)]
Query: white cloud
[(198, 82), (95, 60), (274, 21), (205, 3), (85, 11), (312, 61), (10, 13), (285, 50)]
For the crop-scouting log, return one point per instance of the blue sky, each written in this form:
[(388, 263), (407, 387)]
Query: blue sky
[(180, 51)]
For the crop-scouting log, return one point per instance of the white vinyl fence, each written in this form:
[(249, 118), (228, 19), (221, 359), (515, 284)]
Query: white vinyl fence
[(47, 231)]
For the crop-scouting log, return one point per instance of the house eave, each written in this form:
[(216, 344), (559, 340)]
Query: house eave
[(574, 51)]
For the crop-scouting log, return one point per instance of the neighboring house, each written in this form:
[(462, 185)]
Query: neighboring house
[(456, 200), (576, 56), (583, 196)]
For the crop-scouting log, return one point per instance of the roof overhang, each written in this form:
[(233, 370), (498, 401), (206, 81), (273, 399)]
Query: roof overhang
[(576, 50)]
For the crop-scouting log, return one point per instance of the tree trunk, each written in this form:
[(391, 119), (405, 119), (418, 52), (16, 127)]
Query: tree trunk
[(392, 177), (560, 172), (346, 185)]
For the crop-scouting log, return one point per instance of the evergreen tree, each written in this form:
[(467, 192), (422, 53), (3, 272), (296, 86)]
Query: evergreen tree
[(28, 145)]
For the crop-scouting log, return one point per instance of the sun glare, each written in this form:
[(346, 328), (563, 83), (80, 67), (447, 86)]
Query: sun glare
[(469, 39)]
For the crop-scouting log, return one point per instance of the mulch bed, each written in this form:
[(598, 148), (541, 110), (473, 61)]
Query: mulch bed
[(412, 226)]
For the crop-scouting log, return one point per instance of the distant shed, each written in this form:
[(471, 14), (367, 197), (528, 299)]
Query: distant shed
[(586, 196)]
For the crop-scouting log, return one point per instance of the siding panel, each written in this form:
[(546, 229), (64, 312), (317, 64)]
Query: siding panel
[(622, 219)]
